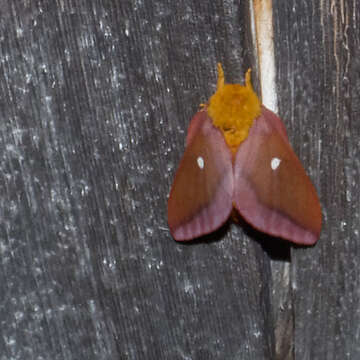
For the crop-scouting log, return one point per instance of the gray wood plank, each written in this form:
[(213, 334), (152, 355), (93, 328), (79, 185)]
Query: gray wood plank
[(95, 99), (318, 82)]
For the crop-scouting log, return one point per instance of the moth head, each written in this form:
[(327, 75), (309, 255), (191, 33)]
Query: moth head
[(233, 109)]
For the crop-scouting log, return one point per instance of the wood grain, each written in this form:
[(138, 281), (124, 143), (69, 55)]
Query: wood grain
[(95, 98), (319, 86)]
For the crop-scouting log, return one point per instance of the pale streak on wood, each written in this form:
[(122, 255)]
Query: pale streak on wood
[(346, 40), (339, 12), (334, 13), (264, 35), (322, 13)]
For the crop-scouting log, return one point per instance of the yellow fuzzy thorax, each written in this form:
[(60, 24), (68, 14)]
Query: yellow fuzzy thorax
[(233, 109)]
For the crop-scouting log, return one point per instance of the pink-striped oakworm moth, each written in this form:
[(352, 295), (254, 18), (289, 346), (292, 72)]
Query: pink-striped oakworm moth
[(238, 156)]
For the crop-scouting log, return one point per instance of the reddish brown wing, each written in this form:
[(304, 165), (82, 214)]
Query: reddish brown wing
[(200, 200), (272, 191)]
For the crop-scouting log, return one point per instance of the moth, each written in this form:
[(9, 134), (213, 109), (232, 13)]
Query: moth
[(238, 155)]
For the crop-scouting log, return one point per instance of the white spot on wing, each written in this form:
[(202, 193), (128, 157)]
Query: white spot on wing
[(200, 162), (275, 162)]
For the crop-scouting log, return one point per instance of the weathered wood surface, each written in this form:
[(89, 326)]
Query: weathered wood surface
[(95, 98), (319, 84)]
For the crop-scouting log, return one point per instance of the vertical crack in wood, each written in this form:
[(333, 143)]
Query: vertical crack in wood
[(263, 27), (263, 39)]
